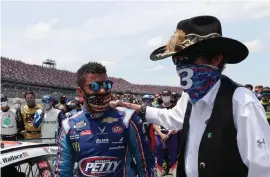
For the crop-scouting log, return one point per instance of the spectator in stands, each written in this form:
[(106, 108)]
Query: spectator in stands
[(249, 86), (26, 73), (8, 121), (127, 97), (28, 111), (134, 99)]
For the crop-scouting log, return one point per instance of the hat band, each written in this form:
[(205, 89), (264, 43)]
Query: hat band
[(190, 39)]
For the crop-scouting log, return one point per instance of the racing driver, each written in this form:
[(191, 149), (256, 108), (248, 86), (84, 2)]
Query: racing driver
[(100, 139)]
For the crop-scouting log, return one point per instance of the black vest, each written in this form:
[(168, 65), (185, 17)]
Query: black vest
[(218, 152)]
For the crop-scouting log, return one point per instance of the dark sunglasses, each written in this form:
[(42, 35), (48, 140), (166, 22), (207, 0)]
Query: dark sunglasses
[(180, 60), (45, 101), (95, 86), (177, 60)]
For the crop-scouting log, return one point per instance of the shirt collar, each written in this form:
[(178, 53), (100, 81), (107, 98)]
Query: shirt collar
[(209, 98), (93, 115)]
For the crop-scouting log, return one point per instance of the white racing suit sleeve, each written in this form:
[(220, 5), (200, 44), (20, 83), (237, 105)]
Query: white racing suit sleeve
[(171, 119)]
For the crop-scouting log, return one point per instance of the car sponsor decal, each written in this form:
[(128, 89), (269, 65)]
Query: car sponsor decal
[(50, 150), (53, 150), (14, 157), (46, 150), (99, 166), (20, 155)]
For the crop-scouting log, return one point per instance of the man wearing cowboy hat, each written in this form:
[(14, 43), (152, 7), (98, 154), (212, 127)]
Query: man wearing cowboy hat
[(225, 132)]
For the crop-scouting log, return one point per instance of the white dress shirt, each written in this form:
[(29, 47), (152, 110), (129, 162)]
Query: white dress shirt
[(253, 130)]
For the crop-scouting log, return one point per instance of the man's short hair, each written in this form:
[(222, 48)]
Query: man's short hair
[(89, 68), (29, 92), (249, 86)]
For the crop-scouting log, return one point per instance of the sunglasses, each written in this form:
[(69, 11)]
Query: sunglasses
[(178, 60), (95, 86), (45, 101), (181, 60)]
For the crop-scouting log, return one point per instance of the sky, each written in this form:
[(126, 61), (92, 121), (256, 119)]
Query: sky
[(122, 34)]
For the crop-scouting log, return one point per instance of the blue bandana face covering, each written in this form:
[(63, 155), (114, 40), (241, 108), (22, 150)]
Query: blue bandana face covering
[(197, 80)]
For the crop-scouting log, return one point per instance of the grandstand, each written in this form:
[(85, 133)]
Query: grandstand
[(17, 77)]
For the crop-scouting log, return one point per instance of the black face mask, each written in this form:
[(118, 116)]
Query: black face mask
[(98, 102), (31, 103)]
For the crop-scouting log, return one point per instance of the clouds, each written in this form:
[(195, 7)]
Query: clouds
[(155, 42), (121, 35), (156, 68), (258, 9), (41, 30), (256, 45)]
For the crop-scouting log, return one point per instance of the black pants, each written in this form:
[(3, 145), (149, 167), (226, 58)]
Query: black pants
[(9, 137)]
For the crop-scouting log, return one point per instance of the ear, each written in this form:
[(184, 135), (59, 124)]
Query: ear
[(217, 59), (80, 91)]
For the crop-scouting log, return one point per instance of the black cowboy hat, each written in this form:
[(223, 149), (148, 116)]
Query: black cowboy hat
[(202, 35)]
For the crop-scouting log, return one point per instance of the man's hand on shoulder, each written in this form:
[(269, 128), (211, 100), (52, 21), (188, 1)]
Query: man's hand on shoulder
[(116, 103)]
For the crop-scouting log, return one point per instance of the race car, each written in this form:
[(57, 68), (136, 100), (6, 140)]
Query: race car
[(25, 159)]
